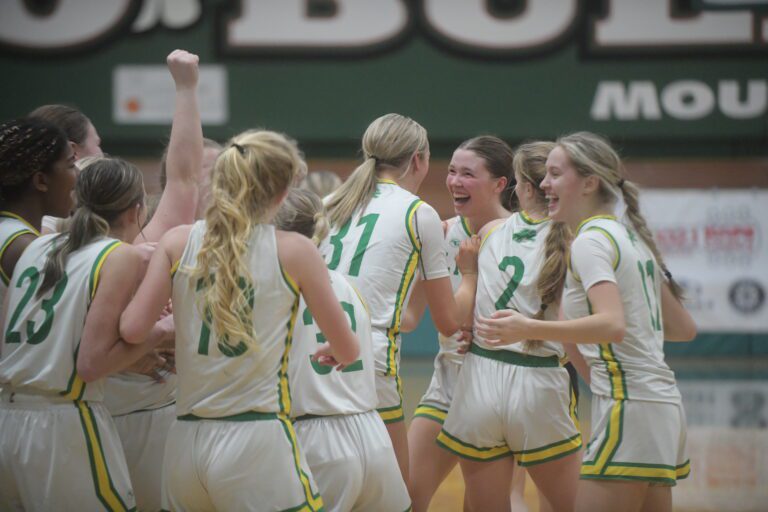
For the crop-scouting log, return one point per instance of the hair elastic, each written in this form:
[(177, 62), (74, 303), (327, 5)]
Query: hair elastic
[(239, 148)]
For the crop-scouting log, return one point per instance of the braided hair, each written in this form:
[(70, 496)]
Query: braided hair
[(27, 146)]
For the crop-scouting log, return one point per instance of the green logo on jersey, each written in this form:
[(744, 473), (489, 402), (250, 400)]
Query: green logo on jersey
[(525, 234), (455, 243), (632, 236)]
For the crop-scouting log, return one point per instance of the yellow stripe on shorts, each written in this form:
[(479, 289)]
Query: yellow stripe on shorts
[(105, 488), (468, 451), (610, 442), (314, 502), (549, 452), (430, 413), (391, 414)]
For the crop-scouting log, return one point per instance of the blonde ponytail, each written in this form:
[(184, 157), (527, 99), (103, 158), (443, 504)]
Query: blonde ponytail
[(248, 178), (389, 142)]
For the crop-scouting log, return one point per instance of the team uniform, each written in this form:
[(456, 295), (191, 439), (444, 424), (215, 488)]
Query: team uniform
[(11, 227), (638, 422), (59, 446), (509, 400), (232, 446), (381, 249), (437, 399), (143, 411), (342, 437)]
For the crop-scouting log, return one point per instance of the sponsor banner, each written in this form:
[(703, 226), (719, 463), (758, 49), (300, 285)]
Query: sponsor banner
[(146, 95), (714, 243), (729, 471), (739, 404)]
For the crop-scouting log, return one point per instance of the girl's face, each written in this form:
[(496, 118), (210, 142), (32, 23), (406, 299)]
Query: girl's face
[(564, 188), (60, 182), (473, 188), (91, 146)]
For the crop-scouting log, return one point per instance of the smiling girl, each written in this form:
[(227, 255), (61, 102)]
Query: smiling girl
[(620, 303)]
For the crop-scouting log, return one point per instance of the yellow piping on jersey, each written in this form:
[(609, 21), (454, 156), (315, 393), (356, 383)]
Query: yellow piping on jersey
[(614, 244), (615, 372), (362, 300), (6, 278), (466, 226), (402, 291), (594, 217), (11, 215), (387, 181), (100, 259), (283, 389), (175, 268), (105, 488), (490, 231), (528, 220)]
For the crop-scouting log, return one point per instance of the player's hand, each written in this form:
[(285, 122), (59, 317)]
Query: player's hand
[(155, 364), (184, 69), (167, 329), (464, 339), (324, 355), (466, 259), (505, 327)]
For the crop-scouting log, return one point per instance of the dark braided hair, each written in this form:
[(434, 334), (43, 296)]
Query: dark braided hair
[(27, 146)]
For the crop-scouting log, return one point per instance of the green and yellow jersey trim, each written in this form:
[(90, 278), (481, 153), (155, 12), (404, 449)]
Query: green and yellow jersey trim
[(489, 233), (590, 219), (609, 444), (529, 220), (313, 503), (402, 291), (614, 244), (5, 277), (175, 268), (386, 181), (465, 224), (93, 281), (11, 215), (105, 487), (616, 374)]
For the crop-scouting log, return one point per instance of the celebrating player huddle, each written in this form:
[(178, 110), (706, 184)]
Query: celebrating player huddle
[(282, 314)]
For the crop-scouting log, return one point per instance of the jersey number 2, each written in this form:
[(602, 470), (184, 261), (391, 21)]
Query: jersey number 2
[(517, 276)]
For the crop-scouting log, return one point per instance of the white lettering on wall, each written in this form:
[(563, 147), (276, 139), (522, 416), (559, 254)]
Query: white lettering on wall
[(276, 24), (638, 100), (469, 23), (71, 23), (685, 100), (650, 23)]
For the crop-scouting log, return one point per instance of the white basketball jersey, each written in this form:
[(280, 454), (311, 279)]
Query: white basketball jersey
[(11, 227), (128, 392), (322, 390), (42, 335), (381, 249), (218, 378), (606, 250), (458, 231), (509, 263)]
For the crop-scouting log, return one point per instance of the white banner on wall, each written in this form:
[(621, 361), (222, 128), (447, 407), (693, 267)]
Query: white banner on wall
[(714, 243), (146, 95)]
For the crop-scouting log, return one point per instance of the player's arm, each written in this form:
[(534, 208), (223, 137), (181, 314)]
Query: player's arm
[(303, 263), (146, 306), (178, 202), (414, 311), (101, 350), (592, 258), (449, 311), (678, 322)]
